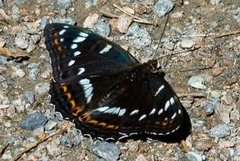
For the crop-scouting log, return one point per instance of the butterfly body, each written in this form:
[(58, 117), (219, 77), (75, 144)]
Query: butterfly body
[(107, 92)]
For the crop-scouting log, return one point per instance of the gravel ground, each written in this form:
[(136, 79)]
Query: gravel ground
[(199, 51)]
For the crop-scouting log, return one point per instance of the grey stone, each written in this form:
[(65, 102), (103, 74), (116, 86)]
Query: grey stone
[(64, 4), (215, 2), (163, 7), (197, 82), (72, 138), (34, 70), (102, 27), (220, 131), (193, 156), (33, 121), (30, 96), (211, 106), (237, 14), (2, 79), (90, 3), (50, 125), (1, 4), (106, 151), (21, 40), (42, 88), (20, 73), (66, 20), (140, 36)]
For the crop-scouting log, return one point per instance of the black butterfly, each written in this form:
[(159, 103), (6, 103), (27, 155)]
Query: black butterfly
[(107, 92)]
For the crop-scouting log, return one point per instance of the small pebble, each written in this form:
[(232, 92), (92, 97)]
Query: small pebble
[(220, 131), (30, 96), (50, 125), (64, 4), (237, 14), (91, 20), (139, 36), (90, 3), (140, 157), (20, 73), (33, 121), (105, 150), (193, 156), (53, 149), (163, 7), (215, 2), (122, 23), (223, 112), (187, 43), (211, 106), (42, 88), (72, 138), (1, 4), (102, 27), (66, 20), (21, 40), (7, 155), (197, 82), (2, 79), (34, 70)]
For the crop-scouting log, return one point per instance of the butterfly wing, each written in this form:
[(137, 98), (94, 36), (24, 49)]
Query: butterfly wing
[(106, 91), (73, 50), (143, 106)]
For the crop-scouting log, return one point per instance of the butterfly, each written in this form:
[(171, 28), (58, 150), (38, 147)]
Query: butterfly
[(107, 93)]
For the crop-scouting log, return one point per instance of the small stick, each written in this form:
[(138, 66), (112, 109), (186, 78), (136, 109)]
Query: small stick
[(137, 19), (3, 150), (48, 138), (185, 146)]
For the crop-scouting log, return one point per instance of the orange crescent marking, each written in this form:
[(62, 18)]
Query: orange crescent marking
[(73, 104), (103, 124), (69, 95), (64, 87), (110, 127), (93, 122), (56, 42)]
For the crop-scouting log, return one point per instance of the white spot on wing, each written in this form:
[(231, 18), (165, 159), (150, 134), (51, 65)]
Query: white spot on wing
[(159, 90), (173, 116), (88, 89), (62, 32), (61, 39), (153, 111), (89, 98), (122, 112), (160, 111), (74, 46), (142, 117), (83, 34), (65, 26), (79, 39), (84, 81), (172, 101), (81, 70), (179, 111), (106, 49), (102, 109), (76, 53), (167, 104), (134, 112), (71, 62)]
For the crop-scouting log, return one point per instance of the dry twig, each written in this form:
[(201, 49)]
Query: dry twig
[(3, 150), (48, 138), (136, 19)]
